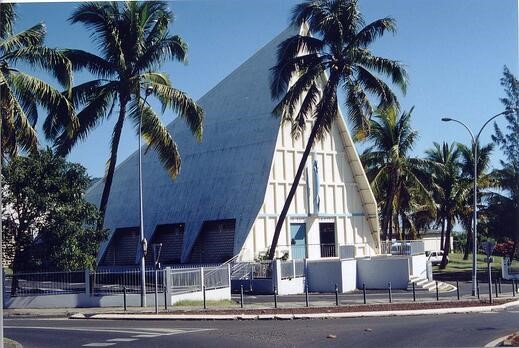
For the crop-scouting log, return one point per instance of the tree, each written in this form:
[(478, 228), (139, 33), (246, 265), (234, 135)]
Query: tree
[(450, 191), (133, 42), (484, 181), (398, 181), (47, 222), (503, 204), (21, 93), (340, 50)]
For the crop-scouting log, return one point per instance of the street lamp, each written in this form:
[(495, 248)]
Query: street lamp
[(475, 140), (144, 243)]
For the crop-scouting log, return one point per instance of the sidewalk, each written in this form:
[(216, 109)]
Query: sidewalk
[(260, 311)]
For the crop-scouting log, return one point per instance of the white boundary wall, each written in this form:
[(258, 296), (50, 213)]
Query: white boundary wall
[(417, 265), (376, 272), (324, 274)]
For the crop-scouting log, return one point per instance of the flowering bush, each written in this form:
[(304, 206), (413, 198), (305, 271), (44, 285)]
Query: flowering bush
[(504, 248)]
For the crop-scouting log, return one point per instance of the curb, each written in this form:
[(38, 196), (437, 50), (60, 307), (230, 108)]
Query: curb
[(9, 343), (496, 342), (439, 311)]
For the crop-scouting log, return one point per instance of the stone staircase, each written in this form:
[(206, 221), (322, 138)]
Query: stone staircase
[(425, 284)]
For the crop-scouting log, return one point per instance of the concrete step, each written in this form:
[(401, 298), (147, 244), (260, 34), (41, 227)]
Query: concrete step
[(430, 286)]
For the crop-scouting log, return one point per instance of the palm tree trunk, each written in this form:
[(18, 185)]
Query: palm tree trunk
[(388, 214), (293, 189), (390, 225), (446, 250), (468, 244), (442, 239), (113, 161), (383, 225)]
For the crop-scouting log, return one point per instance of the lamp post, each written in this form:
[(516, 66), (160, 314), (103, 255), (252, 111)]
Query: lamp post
[(144, 243), (475, 140)]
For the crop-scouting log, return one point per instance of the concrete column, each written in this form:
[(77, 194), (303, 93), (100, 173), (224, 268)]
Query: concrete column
[(87, 282)]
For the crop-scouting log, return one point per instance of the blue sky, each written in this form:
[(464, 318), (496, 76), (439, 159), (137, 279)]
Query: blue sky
[(454, 52)]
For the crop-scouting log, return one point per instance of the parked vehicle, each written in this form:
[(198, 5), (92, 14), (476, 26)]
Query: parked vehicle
[(435, 257)]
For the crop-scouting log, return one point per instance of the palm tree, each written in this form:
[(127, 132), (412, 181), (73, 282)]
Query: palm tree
[(448, 157), (450, 191), (21, 93), (399, 182), (338, 49), (133, 41), (484, 181)]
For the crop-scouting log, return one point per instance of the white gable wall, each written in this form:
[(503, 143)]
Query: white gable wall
[(340, 201)]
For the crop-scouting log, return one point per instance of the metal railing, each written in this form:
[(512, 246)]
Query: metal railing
[(252, 270), (185, 280), (328, 250), (117, 281), (44, 283), (301, 251), (217, 277), (192, 265), (110, 282), (292, 269), (402, 247), (190, 280)]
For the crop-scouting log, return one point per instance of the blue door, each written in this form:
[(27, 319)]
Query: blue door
[(298, 240)]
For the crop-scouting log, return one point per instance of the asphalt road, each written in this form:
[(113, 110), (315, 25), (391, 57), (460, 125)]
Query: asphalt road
[(460, 330)]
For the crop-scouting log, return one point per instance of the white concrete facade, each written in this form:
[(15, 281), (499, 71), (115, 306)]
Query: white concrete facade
[(340, 200)]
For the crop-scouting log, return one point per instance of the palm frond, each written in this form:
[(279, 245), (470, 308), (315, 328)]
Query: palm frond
[(372, 31), (100, 102), (46, 96), (33, 36), (387, 67), (7, 19), (157, 137), (48, 59), (181, 104), (94, 64), (377, 87), (168, 48)]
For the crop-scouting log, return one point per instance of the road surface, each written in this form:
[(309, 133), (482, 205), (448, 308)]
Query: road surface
[(460, 330)]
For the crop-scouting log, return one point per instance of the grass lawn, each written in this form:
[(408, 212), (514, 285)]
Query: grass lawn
[(459, 269), (193, 303)]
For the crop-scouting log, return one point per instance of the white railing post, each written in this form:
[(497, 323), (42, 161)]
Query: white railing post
[(87, 282), (229, 275), (306, 271), (202, 280), (276, 274), (293, 268), (167, 284)]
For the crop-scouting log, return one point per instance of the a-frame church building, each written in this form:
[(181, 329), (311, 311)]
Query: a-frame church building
[(232, 185)]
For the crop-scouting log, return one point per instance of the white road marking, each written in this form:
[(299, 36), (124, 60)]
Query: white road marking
[(116, 330), (148, 336), (98, 344), (121, 339)]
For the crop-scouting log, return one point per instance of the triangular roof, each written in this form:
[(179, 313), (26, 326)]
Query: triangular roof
[(224, 176)]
